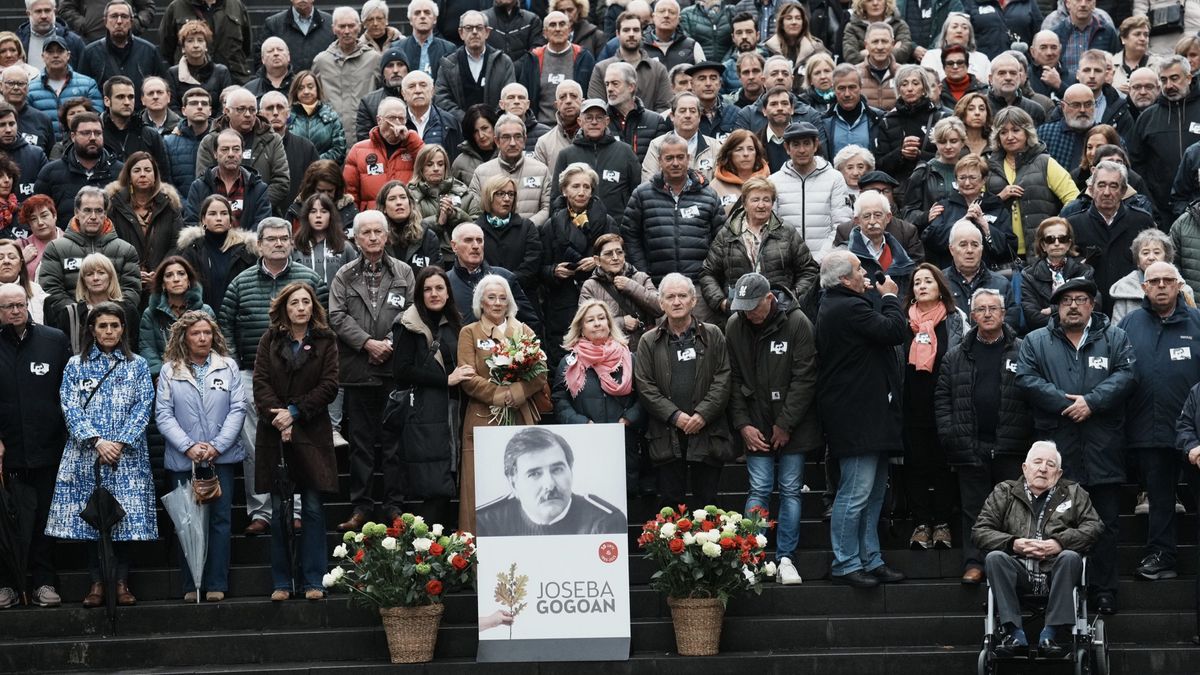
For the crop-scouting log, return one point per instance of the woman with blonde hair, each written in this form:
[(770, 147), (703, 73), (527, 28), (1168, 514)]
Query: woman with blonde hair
[(510, 240), (594, 381), (817, 85), (97, 283), (199, 408), (442, 200), (494, 304), (12, 53)]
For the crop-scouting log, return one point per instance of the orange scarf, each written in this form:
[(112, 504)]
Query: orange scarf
[(922, 354), (733, 179)]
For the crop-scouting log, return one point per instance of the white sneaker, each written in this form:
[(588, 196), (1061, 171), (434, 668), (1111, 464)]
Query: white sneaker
[(8, 598), (46, 596), (787, 574), (1179, 507), (1143, 505), (339, 441)]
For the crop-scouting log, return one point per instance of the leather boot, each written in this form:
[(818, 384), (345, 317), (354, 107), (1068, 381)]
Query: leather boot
[(124, 597), (95, 595)]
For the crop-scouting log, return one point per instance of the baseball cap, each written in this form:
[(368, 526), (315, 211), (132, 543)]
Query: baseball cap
[(749, 291)]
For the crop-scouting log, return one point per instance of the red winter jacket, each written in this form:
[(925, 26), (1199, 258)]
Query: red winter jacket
[(368, 168)]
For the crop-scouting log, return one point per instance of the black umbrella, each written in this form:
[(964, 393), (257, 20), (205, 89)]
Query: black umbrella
[(18, 504), (103, 512), (283, 486)]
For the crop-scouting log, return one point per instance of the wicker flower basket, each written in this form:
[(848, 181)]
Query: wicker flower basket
[(412, 631), (697, 625)]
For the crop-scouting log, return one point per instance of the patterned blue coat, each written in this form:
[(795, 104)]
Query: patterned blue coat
[(119, 412)]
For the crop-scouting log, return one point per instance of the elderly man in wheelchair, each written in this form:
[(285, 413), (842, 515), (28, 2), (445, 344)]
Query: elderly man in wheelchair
[(1034, 531)]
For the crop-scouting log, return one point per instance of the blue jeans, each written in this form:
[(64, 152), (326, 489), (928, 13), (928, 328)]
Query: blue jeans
[(790, 474), (855, 524), (310, 551), (216, 566)]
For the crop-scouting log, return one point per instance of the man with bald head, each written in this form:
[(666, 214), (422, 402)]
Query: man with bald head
[(1046, 74), (300, 151), (1167, 366), (568, 97), (262, 149), (1004, 80), (32, 430), (305, 30), (275, 73), (552, 64), (1065, 137), (514, 100), (1143, 90)]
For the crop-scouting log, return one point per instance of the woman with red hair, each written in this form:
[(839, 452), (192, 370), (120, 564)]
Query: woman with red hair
[(39, 215)]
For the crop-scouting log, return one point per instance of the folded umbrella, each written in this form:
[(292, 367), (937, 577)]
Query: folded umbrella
[(284, 487), (103, 512), (191, 526), (18, 506)]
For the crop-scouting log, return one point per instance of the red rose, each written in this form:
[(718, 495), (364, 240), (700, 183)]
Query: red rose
[(419, 559), (393, 532), (676, 546), (436, 549), (358, 557), (434, 587), (684, 525), (458, 562), (707, 525), (727, 544)]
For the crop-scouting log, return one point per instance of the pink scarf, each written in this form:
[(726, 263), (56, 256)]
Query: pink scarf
[(604, 359), (923, 352)]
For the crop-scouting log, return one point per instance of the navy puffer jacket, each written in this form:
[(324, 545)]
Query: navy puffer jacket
[(662, 235)]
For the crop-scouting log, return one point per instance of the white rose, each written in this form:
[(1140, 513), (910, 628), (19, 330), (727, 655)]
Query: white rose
[(422, 544), (437, 530), (501, 360), (746, 572), (730, 528), (769, 569), (418, 520), (667, 531), (689, 539), (339, 551), (699, 515), (711, 550), (328, 581), (760, 540), (388, 543), (337, 573), (358, 538)]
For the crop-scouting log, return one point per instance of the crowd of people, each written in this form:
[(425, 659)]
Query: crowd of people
[(904, 240)]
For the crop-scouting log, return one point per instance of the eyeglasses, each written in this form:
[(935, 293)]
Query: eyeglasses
[(89, 133), (506, 193), (1080, 105), (12, 306), (1077, 300), (955, 64), (245, 110), (277, 240), (19, 84), (1161, 282), (511, 138), (1056, 239), (987, 310), (612, 253), (120, 17), (473, 29)]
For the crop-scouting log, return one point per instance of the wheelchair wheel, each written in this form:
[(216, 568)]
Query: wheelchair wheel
[(984, 665), (1082, 665), (1100, 664)]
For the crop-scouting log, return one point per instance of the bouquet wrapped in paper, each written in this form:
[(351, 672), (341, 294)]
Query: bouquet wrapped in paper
[(514, 359)]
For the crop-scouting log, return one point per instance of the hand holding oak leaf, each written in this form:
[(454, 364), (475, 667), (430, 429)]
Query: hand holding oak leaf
[(510, 591)]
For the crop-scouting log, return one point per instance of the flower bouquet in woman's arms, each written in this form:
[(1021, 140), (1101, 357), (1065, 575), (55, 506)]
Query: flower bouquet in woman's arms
[(704, 558), (514, 359), (404, 570)]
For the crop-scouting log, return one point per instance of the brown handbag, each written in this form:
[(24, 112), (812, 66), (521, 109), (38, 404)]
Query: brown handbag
[(541, 399), (205, 490)]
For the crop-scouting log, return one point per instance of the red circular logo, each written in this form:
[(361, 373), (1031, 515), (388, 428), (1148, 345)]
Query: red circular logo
[(609, 552)]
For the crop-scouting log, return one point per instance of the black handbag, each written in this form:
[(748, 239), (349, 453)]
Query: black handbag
[(1166, 18), (395, 411)]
